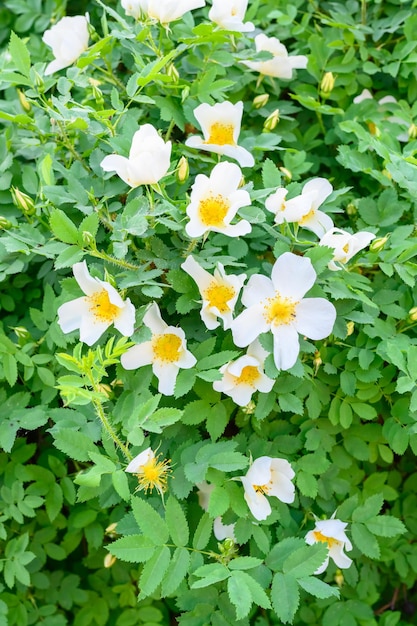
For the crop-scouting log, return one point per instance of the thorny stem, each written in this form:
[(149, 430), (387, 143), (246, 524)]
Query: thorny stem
[(108, 427), (110, 259)]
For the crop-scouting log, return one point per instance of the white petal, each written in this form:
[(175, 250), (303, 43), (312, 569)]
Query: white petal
[(88, 284), (242, 156), (91, 329), (259, 472), (140, 460), (257, 290), (339, 557), (282, 467), (166, 374), (292, 275), (197, 273), (315, 318), (286, 346), (319, 223), (153, 320), (243, 227), (186, 360), (118, 164), (125, 321), (71, 313), (223, 531), (283, 489), (137, 356), (247, 326), (321, 188), (257, 502)]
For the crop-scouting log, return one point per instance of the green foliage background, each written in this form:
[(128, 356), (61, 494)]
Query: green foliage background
[(344, 415)]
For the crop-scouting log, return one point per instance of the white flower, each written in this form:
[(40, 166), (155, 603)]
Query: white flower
[(68, 39), (166, 351), (215, 202), (267, 477), (282, 64), (219, 292), (93, 313), (277, 304), (316, 191), (332, 532), (150, 472), (344, 245), (221, 531), (229, 14), (164, 11), (148, 161), (220, 124), (287, 210), (241, 378)]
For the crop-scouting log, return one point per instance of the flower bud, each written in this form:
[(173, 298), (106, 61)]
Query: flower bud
[(21, 332), (261, 100), (378, 244), (249, 409), (26, 106), (339, 578), (412, 314), (373, 129), (351, 209), (327, 84), (89, 239), (412, 131), (350, 327), (22, 201), (109, 560), (4, 223), (39, 82), (111, 530), (317, 361), (173, 73), (271, 121), (286, 173), (97, 93), (183, 169)]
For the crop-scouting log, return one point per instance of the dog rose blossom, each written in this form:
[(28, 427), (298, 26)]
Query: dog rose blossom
[(345, 245), (229, 14), (332, 532), (68, 39), (282, 64), (267, 477), (163, 11)]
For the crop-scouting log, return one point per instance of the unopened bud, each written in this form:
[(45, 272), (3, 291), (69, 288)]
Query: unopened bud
[(173, 73), (111, 529), (350, 327), (97, 93), (183, 169), (109, 560), (261, 100), (412, 131), (4, 223), (327, 84), (185, 93), (339, 578), (88, 239), (351, 209), (26, 106), (412, 314), (317, 361), (373, 129), (21, 332), (271, 121), (286, 173), (22, 201), (249, 409), (39, 82), (378, 244)]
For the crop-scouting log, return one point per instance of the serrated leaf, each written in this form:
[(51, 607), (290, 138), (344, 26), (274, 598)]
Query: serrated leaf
[(271, 177), (385, 526), (9, 368), (369, 509), (219, 501), (282, 550), (239, 594), (318, 588), (149, 521), (285, 596), (216, 360), (62, 227), (258, 594), (161, 418), (244, 562), (20, 54), (74, 444), (305, 561), (176, 572), (154, 571), (176, 522), (203, 532), (209, 575), (365, 541), (121, 484), (217, 420), (133, 548)]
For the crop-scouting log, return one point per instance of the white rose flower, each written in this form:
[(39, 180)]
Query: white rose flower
[(345, 245), (316, 191), (220, 124), (166, 351), (287, 210), (93, 313), (277, 304), (68, 39), (229, 14), (148, 162), (267, 477), (215, 201), (133, 8), (219, 291), (164, 11), (241, 378), (282, 64), (332, 532), (150, 472)]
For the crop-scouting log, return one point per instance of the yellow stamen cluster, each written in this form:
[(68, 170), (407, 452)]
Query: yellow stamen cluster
[(261, 488), (153, 475), (167, 348), (248, 376), (318, 536), (102, 308), (218, 296), (212, 210), (279, 310), (221, 135)]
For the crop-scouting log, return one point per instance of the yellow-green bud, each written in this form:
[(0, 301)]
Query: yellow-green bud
[(412, 131), (327, 84), (173, 73), (26, 106), (22, 201), (97, 93), (261, 100), (286, 173), (339, 578), (89, 239), (39, 82), (373, 129), (378, 244), (109, 560), (350, 327), (412, 314), (271, 121), (111, 530), (183, 169), (4, 223), (351, 209), (21, 332)]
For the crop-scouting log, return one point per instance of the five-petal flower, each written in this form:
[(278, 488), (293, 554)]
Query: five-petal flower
[(163, 11), (166, 351), (282, 64), (332, 532), (68, 39), (229, 14), (220, 124), (148, 162), (93, 313), (150, 472), (215, 201), (267, 477), (345, 245), (277, 304)]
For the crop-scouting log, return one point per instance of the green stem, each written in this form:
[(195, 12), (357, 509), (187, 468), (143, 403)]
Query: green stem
[(110, 259), (107, 426)]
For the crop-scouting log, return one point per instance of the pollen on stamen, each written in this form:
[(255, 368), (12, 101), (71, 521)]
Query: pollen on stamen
[(212, 210), (219, 295), (102, 308), (167, 347), (323, 539), (279, 310), (261, 488), (248, 376), (221, 135), (153, 475)]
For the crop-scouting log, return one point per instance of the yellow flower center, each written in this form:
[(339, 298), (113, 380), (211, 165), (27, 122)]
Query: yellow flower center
[(221, 135), (346, 248), (318, 536), (248, 376), (167, 347), (261, 488), (101, 307), (153, 474), (213, 210), (307, 217), (279, 310), (218, 296)]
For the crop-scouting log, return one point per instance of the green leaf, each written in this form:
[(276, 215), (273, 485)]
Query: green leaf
[(176, 572), (176, 522), (162, 418), (149, 521), (271, 177), (9, 368), (385, 526), (121, 484), (62, 227), (305, 561), (209, 575), (203, 532), (239, 594), (219, 501), (318, 588), (285, 596), (216, 360), (154, 571), (307, 484), (217, 420), (369, 509), (282, 550), (74, 444), (365, 541), (133, 548), (20, 54), (244, 562)]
